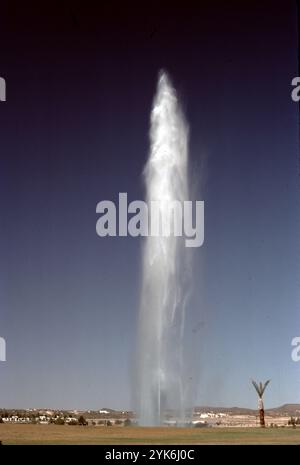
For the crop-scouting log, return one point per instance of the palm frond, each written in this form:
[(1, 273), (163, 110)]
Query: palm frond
[(265, 385), (256, 387), (260, 388)]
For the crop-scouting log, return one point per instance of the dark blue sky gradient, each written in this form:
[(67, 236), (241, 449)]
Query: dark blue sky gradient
[(74, 131)]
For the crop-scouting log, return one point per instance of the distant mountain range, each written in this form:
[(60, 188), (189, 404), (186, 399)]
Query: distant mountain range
[(283, 410), (288, 410)]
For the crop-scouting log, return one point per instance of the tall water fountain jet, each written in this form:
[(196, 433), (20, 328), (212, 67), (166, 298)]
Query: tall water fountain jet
[(161, 318)]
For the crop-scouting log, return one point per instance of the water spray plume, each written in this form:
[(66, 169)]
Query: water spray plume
[(164, 288)]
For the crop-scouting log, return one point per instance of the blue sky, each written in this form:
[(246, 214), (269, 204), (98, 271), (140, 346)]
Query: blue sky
[(74, 131)]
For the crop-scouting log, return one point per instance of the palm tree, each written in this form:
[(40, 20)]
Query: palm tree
[(260, 389)]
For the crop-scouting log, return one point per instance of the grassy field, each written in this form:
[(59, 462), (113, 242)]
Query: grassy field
[(54, 434)]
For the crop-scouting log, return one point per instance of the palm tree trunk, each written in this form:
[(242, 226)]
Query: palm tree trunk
[(261, 413), (262, 417)]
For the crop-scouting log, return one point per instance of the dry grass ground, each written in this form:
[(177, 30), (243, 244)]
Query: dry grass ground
[(54, 434)]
